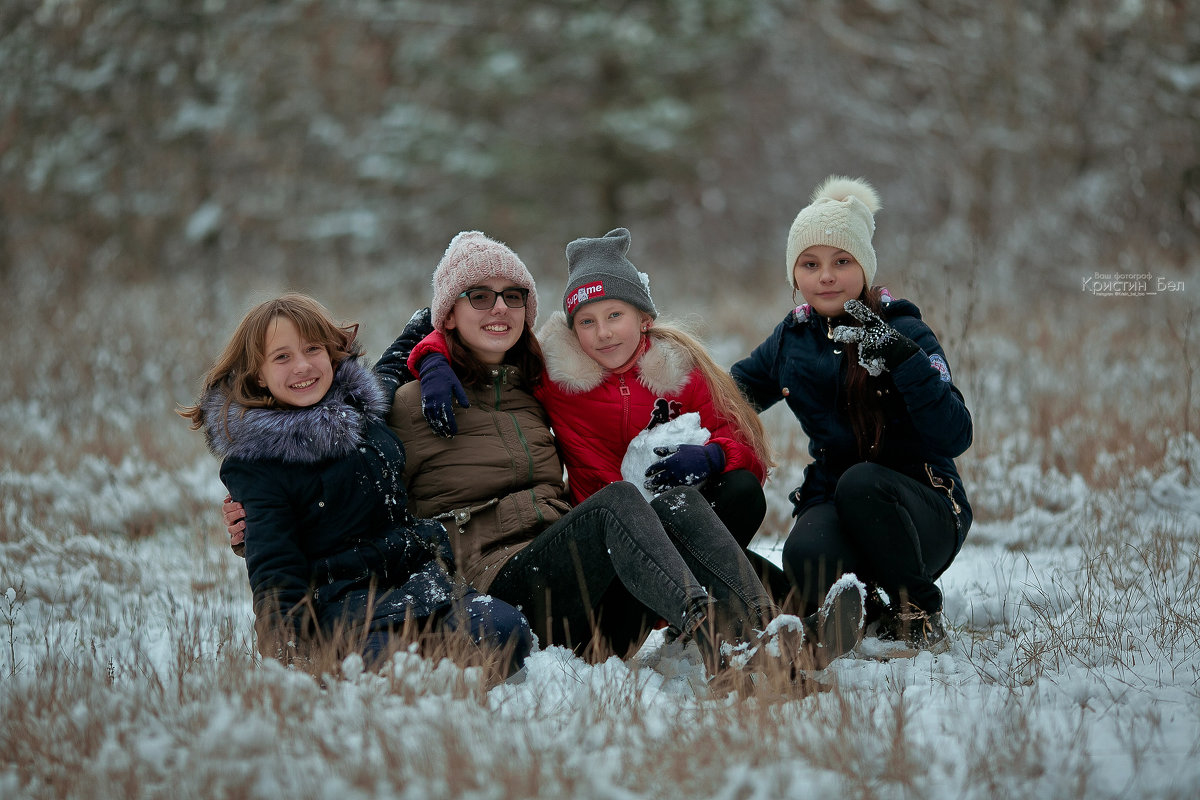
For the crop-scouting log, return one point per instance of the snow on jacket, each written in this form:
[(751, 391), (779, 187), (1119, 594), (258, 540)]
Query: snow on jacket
[(495, 485), (327, 520), (927, 423)]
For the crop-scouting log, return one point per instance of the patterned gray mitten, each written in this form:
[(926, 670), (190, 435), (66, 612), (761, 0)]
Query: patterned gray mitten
[(880, 346)]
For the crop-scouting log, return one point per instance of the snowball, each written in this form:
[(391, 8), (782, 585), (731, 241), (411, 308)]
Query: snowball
[(684, 429)]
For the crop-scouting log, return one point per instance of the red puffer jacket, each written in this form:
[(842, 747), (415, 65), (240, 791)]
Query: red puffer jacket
[(595, 413)]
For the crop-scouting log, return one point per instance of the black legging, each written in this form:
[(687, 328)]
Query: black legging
[(888, 529), (738, 499)]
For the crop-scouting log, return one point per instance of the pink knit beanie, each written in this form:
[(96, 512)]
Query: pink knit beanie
[(472, 259)]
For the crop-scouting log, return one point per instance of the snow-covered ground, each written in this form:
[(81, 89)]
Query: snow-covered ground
[(125, 635)]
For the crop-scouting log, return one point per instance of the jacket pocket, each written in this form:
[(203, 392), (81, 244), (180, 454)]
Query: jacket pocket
[(555, 509), (944, 485)]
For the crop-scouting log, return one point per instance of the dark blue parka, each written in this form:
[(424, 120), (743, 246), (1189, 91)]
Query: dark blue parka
[(330, 540), (927, 422)]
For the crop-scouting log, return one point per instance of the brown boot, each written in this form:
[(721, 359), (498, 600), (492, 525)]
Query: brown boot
[(916, 627)]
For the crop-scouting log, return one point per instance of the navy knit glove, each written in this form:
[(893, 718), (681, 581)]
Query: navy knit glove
[(392, 366), (440, 387), (684, 465), (880, 346)]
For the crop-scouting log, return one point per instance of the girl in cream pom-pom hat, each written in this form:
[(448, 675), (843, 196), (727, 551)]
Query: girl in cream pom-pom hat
[(872, 390)]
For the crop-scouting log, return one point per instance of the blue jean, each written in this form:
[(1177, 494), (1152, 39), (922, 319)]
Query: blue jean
[(487, 621), (615, 564), (888, 529)]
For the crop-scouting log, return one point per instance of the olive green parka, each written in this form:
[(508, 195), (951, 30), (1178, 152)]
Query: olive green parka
[(495, 485)]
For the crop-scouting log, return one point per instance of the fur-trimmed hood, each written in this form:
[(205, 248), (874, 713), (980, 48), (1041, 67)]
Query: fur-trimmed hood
[(332, 428), (664, 368)]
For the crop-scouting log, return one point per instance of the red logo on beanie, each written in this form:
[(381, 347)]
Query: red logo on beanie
[(589, 291)]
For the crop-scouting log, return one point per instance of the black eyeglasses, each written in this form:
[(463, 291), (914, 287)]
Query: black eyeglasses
[(485, 299)]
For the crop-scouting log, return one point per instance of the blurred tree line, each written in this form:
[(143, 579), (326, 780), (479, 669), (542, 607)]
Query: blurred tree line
[(1031, 142)]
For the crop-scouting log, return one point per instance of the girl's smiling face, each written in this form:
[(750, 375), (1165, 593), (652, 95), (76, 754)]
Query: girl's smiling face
[(296, 372), (489, 333), (610, 331), (828, 277)]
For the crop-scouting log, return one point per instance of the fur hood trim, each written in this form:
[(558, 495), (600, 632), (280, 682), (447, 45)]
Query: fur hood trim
[(332, 428), (664, 368)]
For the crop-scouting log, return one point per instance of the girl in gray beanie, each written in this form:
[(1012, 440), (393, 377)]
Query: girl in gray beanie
[(871, 387), (615, 370)]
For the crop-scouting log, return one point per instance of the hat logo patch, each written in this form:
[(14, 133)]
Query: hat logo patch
[(589, 291)]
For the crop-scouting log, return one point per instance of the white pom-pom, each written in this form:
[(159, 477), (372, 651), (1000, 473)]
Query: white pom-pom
[(839, 187)]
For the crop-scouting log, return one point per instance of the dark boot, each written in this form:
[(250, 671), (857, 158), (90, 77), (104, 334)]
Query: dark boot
[(837, 627), (919, 629)]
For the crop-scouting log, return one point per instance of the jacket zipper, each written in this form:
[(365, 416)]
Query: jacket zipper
[(524, 446), (624, 402), (938, 483)]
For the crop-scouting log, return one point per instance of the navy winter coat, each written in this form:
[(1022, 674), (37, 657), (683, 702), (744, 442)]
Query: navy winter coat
[(927, 421), (330, 540)]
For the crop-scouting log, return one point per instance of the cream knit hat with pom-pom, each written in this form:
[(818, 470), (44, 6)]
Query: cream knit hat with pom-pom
[(841, 214)]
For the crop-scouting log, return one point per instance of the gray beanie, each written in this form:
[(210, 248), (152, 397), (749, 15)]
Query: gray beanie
[(597, 269)]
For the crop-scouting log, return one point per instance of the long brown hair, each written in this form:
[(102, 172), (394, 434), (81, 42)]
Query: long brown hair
[(863, 401), (236, 370), (727, 399), (525, 355)]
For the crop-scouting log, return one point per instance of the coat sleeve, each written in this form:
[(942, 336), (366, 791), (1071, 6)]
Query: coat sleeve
[(721, 430), (392, 366), (934, 403), (757, 375), (278, 570), (400, 421), (433, 343)]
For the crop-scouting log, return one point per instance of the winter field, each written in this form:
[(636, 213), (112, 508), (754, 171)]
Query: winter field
[(127, 666)]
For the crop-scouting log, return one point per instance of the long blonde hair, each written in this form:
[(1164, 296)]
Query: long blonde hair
[(235, 372), (727, 399)]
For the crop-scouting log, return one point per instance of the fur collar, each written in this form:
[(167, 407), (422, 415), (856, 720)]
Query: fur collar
[(663, 369), (330, 429)]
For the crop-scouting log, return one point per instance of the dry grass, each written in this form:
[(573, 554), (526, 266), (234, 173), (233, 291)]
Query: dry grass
[(127, 656)]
